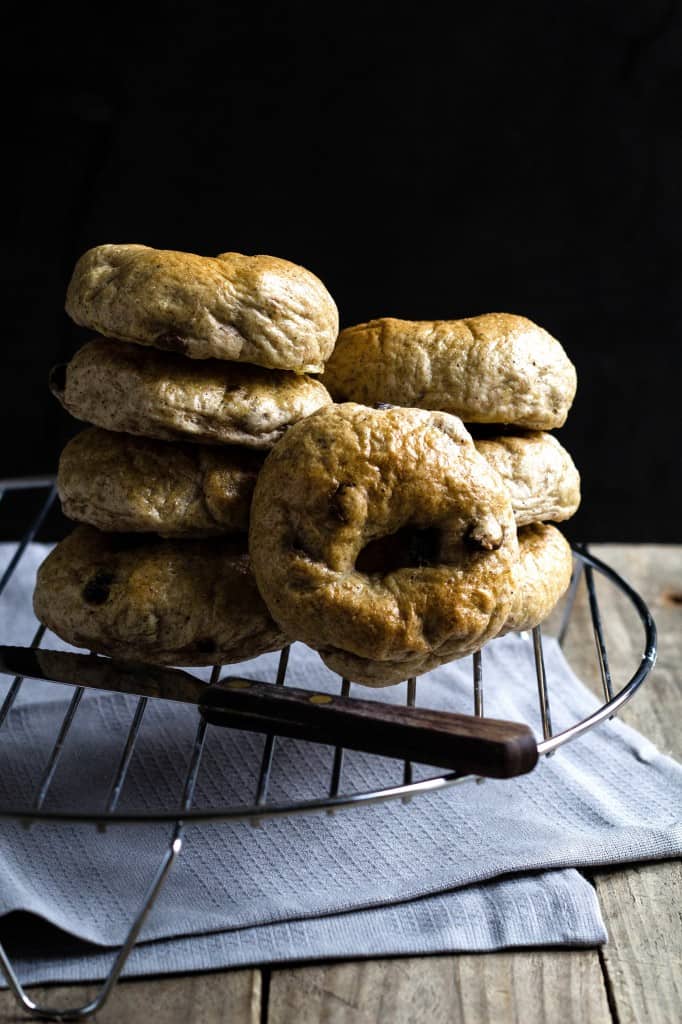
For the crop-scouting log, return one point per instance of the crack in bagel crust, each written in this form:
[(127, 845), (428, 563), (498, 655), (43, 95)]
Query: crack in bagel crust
[(495, 368), (253, 309), (339, 484)]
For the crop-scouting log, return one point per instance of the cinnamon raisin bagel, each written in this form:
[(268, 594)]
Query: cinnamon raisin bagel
[(168, 602), (383, 539), (157, 394), (252, 309), (496, 368), (126, 484)]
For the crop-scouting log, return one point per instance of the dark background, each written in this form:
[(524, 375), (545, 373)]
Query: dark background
[(514, 157)]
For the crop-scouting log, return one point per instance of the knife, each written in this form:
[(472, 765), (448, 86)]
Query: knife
[(459, 743)]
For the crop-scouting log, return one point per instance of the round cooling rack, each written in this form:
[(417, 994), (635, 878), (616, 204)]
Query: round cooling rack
[(586, 569)]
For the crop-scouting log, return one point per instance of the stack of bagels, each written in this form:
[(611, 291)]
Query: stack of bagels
[(198, 368), (382, 531)]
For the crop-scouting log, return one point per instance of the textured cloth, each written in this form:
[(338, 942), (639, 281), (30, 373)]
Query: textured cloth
[(378, 880)]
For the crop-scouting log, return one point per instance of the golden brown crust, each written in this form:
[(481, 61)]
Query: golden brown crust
[(158, 394), (347, 477), (127, 484), (538, 473), (541, 576), (160, 601), (495, 368), (252, 309)]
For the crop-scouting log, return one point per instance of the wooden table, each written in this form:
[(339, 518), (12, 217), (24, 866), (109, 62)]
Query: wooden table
[(637, 976)]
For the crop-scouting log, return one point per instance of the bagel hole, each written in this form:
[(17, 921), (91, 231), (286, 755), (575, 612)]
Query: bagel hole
[(96, 590), (410, 547)]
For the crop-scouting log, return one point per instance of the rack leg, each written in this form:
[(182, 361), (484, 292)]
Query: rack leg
[(13, 691), (338, 751), (543, 695), (478, 684), (175, 846), (598, 630), (42, 1012), (407, 765), (578, 567), (28, 536), (269, 746)]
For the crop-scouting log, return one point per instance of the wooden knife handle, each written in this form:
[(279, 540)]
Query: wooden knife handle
[(461, 743)]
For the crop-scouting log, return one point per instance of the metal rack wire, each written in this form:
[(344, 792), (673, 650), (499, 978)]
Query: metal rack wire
[(184, 815)]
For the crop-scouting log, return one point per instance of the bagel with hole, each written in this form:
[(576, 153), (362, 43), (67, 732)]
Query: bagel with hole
[(384, 540)]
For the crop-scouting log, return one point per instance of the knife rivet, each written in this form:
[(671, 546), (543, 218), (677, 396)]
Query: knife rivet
[(320, 698), (237, 684)]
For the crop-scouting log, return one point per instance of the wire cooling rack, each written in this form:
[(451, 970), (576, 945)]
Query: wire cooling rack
[(184, 815)]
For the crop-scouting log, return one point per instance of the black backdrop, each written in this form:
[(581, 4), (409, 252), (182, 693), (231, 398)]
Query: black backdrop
[(516, 157)]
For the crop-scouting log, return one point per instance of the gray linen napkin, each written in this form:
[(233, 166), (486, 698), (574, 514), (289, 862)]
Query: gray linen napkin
[(377, 880)]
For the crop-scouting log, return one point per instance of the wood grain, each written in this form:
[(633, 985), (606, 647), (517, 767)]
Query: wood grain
[(533, 987), (377, 990), (233, 996)]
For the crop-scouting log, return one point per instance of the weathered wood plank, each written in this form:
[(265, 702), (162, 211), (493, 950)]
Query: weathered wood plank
[(642, 906), (536, 986), (232, 996), (363, 992)]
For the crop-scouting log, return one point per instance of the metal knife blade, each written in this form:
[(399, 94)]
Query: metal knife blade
[(100, 673)]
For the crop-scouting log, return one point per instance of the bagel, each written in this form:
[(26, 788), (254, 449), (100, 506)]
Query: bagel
[(383, 539), (541, 576), (151, 600), (252, 309), (158, 394), (496, 368), (538, 473), (121, 483)]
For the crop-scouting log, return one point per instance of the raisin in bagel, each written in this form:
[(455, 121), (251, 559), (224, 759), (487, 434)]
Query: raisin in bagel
[(383, 539), (127, 484), (157, 394), (253, 309), (541, 576), (496, 368), (161, 601), (538, 473)]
